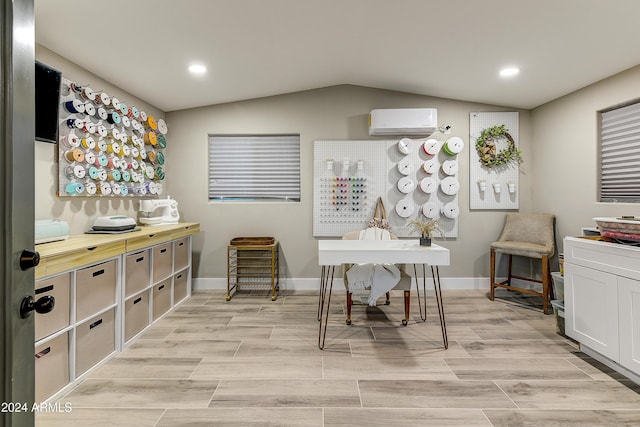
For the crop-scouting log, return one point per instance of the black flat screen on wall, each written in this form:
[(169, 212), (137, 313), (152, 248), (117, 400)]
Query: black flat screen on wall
[(47, 96)]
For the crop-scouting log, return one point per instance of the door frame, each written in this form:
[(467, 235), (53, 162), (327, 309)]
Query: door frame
[(17, 141)]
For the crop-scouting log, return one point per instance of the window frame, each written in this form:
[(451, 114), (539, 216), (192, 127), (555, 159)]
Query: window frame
[(261, 170), (619, 154)]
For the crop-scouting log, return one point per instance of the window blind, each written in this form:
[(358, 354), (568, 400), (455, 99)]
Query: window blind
[(620, 154), (254, 167)]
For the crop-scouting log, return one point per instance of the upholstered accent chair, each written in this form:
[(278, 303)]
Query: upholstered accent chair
[(404, 284), (529, 235)]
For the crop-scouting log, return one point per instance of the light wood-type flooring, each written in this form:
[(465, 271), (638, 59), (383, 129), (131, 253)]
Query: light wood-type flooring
[(254, 362)]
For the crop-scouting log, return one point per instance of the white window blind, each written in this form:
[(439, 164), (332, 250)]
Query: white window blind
[(620, 154), (255, 167)]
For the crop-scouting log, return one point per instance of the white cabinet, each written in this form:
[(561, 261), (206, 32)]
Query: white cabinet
[(107, 290), (592, 319), (602, 301), (156, 278), (80, 331), (629, 303)]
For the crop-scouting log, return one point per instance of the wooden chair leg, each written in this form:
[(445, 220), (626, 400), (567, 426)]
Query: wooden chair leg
[(509, 264), (407, 307), (493, 272), (546, 285), (552, 294), (349, 303)]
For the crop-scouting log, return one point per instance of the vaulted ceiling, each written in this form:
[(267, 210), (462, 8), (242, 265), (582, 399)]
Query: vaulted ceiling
[(255, 48)]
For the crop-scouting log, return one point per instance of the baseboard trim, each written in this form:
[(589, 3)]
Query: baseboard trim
[(610, 363), (311, 284)]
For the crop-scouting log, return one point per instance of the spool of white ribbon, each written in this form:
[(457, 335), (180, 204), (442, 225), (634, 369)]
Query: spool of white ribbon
[(90, 109), (89, 157), (90, 188), (102, 113), (104, 99), (162, 127)]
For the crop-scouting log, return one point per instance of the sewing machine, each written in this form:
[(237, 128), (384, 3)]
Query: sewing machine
[(169, 211)]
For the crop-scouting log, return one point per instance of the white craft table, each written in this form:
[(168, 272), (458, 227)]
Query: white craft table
[(332, 253)]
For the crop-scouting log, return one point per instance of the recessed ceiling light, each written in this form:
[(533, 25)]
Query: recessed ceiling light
[(509, 72), (198, 69)]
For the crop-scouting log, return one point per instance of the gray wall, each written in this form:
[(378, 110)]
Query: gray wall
[(338, 112), (559, 173), (565, 153)]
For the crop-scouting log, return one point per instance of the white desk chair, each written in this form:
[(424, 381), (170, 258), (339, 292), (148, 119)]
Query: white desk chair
[(404, 284)]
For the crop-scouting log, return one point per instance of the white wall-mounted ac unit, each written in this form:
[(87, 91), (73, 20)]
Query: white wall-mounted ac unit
[(403, 121)]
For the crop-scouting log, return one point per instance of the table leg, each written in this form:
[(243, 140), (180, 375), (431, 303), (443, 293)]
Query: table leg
[(323, 287), (322, 333), (435, 274), (422, 304)]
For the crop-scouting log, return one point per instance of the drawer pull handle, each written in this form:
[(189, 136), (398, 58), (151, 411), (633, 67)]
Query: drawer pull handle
[(94, 324), (140, 259), (43, 352), (163, 250), (137, 300), (181, 244), (44, 289), (91, 248), (98, 272), (179, 276), (151, 235), (161, 288)]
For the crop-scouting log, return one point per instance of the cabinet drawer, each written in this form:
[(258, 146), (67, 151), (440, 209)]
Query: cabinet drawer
[(71, 260), (95, 340), (52, 366), (137, 274), (180, 253), (141, 242), (58, 318), (621, 260), (136, 314), (95, 289), (161, 298), (180, 283), (162, 259)]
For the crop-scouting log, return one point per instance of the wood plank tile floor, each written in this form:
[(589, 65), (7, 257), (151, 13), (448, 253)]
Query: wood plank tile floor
[(254, 362)]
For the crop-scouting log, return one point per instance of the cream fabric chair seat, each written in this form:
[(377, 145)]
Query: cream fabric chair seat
[(526, 235), (404, 284), (526, 249)]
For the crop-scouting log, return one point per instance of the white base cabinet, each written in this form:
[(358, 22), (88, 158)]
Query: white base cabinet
[(80, 331), (592, 319), (629, 302), (602, 300), (107, 291)]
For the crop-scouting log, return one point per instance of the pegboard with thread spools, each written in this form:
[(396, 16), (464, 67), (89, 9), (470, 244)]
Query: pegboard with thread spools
[(345, 186), (415, 178), (107, 148)]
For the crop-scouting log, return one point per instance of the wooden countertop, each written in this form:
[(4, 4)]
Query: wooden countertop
[(59, 256)]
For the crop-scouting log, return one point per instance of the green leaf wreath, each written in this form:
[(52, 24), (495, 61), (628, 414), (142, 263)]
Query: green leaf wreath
[(488, 151)]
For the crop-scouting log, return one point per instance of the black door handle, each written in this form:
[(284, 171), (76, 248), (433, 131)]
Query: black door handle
[(29, 259), (42, 305)]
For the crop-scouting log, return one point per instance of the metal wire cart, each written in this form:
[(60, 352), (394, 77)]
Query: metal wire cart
[(253, 263)]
